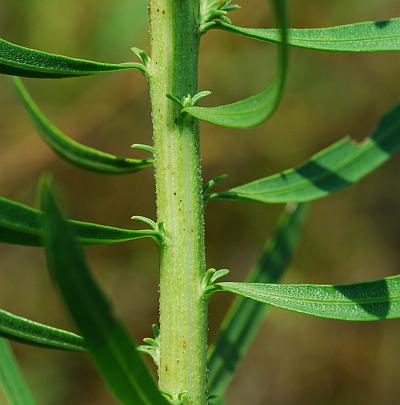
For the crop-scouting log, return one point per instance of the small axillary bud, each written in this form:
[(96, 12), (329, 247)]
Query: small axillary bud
[(188, 101), (211, 277), (215, 10), (144, 57), (157, 227)]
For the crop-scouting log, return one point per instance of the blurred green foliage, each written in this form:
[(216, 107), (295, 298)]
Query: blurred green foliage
[(349, 237)]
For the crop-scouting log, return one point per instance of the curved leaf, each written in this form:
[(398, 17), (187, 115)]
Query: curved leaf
[(23, 330), (22, 225), (368, 301), (245, 317), (370, 36), (74, 152), (17, 60), (12, 381), (329, 171), (256, 109), (108, 342)]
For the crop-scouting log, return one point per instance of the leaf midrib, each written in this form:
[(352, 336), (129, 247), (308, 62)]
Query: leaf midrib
[(360, 301), (326, 40)]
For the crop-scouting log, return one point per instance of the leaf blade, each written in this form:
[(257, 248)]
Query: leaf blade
[(109, 343), (331, 170), (246, 316), (362, 302), (23, 330), (253, 110), (368, 36), (22, 225), (20, 61), (72, 151), (11, 379)]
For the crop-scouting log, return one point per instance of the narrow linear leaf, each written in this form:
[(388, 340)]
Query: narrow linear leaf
[(12, 381), (23, 330), (370, 36), (329, 171), (72, 151), (17, 60), (22, 225), (368, 301), (256, 109), (245, 317), (108, 342)]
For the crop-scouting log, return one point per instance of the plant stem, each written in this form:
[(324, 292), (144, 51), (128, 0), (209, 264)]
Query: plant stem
[(183, 308)]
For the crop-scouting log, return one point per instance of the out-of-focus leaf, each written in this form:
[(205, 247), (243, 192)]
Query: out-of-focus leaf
[(12, 381), (370, 36), (107, 340), (24, 330), (22, 225), (17, 60), (245, 317), (330, 170), (120, 24), (368, 301), (74, 152), (256, 109)]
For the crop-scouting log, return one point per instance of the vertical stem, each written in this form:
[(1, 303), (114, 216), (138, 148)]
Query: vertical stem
[(183, 309)]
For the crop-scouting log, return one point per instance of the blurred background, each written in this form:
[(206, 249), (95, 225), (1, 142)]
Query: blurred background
[(351, 236)]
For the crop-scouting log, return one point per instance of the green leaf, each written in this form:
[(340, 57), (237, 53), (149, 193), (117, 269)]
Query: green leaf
[(256, 109), (12, 381), (108, 342), (22, 225), (368, 301), (245, 317), (17, 60), (370, 36), (329, 171), (23, 330), (72, 151)]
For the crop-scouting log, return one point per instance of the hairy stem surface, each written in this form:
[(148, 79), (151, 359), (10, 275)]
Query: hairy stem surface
[(183, 309)]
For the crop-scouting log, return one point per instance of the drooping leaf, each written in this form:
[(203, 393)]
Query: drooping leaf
[(107, 340), (24, 330), (72, 151), (245, 317), (256, 109), (20, 61), (370, 301), (370, 36), (22, 225), (329, 171), (12, 381)]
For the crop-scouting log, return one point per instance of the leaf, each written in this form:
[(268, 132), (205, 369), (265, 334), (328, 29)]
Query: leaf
[(22, 225), (72, 151), (256, 109), (370, 36), (23, 330), (11, 379), (329, 171), (108, 342), (368, 301), (245, 317), (17, 60)]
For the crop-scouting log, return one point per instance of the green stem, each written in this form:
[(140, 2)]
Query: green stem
[(183, 308)]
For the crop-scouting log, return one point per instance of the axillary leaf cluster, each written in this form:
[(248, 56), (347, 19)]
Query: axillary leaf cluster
[(188, 374), (215, 10)]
